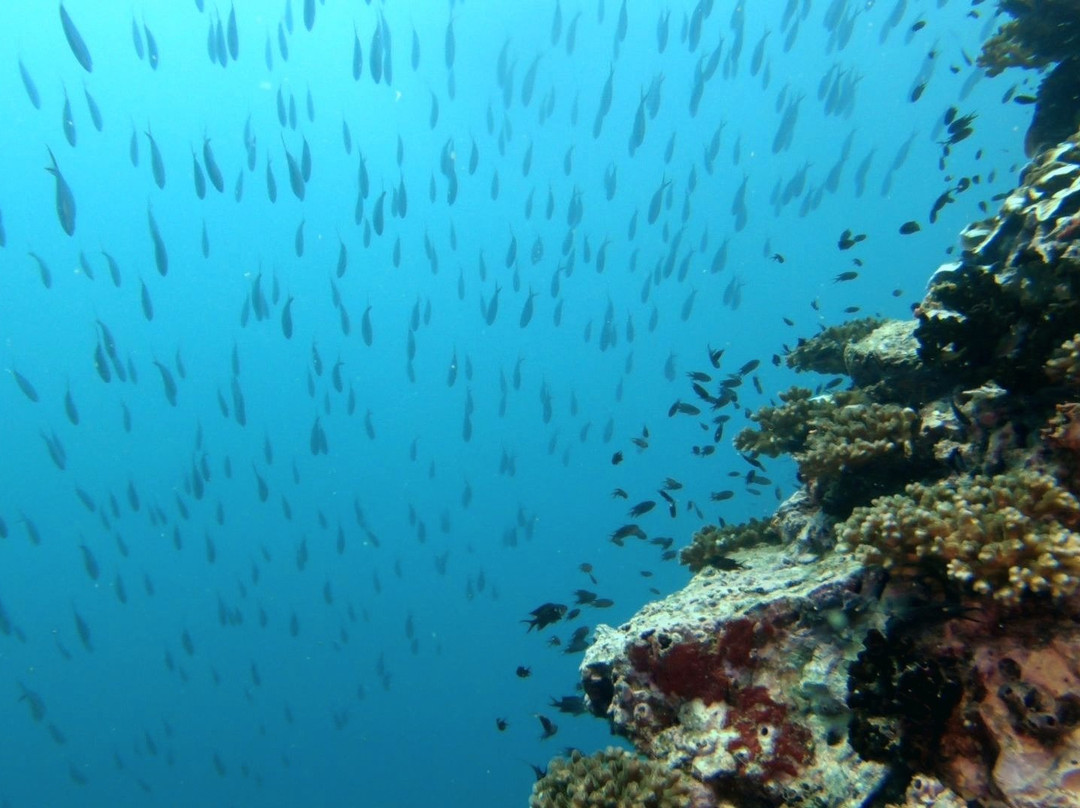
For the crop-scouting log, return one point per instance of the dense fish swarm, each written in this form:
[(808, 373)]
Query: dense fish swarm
[(348, 343)]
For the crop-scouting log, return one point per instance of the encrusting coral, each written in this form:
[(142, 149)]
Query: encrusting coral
[(615, 777), (1006, 535)]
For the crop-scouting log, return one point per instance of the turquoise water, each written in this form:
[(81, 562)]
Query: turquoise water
[(203, 611)]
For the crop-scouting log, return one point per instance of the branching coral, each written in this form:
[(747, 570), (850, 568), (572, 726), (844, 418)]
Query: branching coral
[(616, 777), (824, 352), (1007, 535), (1063, 366), (712, 544), (853, 436), (828, 435), (1041, 33), (784, 429)]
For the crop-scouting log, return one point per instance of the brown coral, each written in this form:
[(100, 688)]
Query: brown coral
[(824, 352), (853, 436), (616, 777), (1041, 33), (711, 544), (1007, 535)]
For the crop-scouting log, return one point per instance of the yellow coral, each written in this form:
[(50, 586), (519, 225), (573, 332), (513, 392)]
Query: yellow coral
[(1006, 535), (785, 428)]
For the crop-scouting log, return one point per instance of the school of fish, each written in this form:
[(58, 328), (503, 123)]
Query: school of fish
[(319, 354)]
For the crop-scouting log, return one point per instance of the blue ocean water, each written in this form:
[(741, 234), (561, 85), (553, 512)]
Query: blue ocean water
[(324, 604)]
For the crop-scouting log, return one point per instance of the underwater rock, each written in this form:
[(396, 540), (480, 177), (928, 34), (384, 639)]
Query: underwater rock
[(992, 714), (1057, 108), (803, 527), (833, 685), (929, 792), (740, 678)]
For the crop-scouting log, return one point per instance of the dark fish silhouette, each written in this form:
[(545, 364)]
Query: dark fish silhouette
[(168, 382), (75, 41), (29, 85), (25, 386), (65, 199), (156, 163), (545, 615)]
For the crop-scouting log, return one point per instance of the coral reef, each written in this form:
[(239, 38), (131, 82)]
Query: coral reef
[(739, 679), (784, 429), (1014, 298), (1006, 535), (1042, 33), (885, 366), (616, 777), (847, 450), (824, 352), (711, 545)]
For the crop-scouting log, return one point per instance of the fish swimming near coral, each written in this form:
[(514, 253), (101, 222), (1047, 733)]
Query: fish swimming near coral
[(545, 614)]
